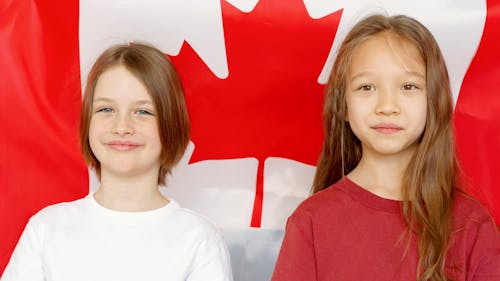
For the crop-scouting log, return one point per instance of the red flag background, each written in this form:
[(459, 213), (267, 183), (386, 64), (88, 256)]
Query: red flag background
[(40, 163), (264, 107)]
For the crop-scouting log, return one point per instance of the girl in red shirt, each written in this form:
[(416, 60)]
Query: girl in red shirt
[(387, 203)]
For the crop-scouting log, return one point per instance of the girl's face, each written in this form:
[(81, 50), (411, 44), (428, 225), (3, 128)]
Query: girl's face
[(123, 133), (386, 95)]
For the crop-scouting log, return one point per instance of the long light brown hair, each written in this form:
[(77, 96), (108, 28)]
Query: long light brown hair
[(430, 179), (155, 71)]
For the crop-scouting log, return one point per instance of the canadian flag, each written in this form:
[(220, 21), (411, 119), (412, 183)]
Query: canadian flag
[(253, 74)]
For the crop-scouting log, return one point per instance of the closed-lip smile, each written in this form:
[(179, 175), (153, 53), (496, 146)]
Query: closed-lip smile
[(123, 145), (386, 128)]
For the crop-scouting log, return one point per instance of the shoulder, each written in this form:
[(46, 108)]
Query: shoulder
[(473, 226), (330, 201), (467, 210), (195, 222), (51, 218), (59, 211), (475, 240)]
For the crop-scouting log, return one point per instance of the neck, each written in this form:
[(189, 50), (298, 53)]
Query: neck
[(133, 194), (382, 174)]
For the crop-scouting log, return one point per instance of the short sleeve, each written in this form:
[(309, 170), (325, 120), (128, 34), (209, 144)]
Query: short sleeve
[(212, 261), (296, 260), (26, 261)]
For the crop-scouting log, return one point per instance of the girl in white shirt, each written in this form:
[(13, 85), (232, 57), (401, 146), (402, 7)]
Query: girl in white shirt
[(134, 128)]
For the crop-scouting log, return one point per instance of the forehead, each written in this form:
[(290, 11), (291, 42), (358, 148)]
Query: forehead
[(118, 83), (386, 51)]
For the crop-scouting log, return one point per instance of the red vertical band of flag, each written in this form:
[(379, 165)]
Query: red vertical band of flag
[(40, 95), (477, 117)]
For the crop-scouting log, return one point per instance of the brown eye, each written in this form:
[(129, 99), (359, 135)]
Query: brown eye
[(366, 88), (409, 87)]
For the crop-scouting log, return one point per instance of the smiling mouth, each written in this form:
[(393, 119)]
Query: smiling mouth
[(387, 129), (122, 146)]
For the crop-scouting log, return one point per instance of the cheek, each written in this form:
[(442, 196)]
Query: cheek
[(94, 132), (150, 129), (356, 111), (422, 120), (355, 120), (155, 141), (151, 132), (418, 111), (421, 107)]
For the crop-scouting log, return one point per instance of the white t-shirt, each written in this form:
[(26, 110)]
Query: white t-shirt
[(81, 240)]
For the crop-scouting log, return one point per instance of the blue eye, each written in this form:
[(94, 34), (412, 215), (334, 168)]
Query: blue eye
[(104, 110), (144, 112)]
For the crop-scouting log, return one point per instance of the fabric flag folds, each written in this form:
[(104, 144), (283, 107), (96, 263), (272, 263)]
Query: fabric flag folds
[(254, 88)]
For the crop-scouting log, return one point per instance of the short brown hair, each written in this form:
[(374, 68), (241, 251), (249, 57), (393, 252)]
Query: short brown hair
[(158, 75)]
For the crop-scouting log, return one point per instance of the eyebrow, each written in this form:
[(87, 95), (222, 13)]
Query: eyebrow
[(365, 73), (139, 102), (143, 102)]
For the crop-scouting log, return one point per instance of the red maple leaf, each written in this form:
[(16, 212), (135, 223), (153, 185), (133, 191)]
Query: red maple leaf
[(270, 105)]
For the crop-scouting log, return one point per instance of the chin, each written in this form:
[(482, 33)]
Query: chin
[(389, 150)]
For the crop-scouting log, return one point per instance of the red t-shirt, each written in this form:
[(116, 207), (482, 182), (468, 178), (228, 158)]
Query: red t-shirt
[(347, 233)]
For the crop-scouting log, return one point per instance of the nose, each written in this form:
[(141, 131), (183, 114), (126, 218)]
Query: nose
[(122, 125), (387, 102)]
